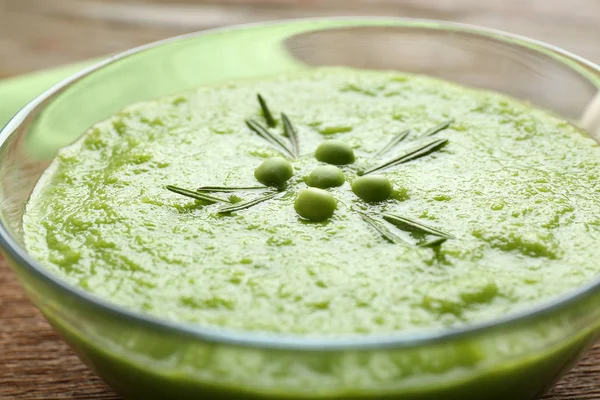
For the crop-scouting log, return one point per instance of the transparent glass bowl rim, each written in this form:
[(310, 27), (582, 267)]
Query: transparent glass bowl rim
[(292, 341)]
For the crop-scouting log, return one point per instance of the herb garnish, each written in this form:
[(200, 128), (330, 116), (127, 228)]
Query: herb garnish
[(229, 189), (380, 228), (378, 222), (413, 226), (271, 123), (264, 133), (246, 204), (433, 242), (406, 225), (393, 143), (196, 195), (417, 152), (291, 133), (438, 128)]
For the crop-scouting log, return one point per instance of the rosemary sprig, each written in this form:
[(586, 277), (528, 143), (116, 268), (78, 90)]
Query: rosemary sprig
[(264, 133), (380, 228), (393, 143), (420, 151), (438, 128), (196, 195), (414, 226), (246, 204), (229, 189), (291, 133), (266, 112)]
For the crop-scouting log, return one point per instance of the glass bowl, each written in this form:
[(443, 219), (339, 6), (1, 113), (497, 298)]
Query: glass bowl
[(515, 357)]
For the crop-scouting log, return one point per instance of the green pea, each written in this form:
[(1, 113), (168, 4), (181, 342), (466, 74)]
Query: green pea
[(335, 152), (274, 171), (315, 204), (326, 176), (372, 187)]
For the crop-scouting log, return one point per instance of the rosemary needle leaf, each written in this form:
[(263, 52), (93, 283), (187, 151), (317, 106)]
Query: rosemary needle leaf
[(438, 128), (393, 143), (417, 152), (246, 204), (196, 195), (264, 133), (266, 112), (433, 242), (414, 226), (380, 228), (291, 133), (422, 150), (229, 189)]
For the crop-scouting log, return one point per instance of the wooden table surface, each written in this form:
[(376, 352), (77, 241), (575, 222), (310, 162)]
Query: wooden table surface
[(38, 34)]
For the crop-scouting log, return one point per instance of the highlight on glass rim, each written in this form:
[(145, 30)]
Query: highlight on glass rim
[(320, 208)]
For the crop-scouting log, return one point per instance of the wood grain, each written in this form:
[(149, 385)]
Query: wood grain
[(37, 34)]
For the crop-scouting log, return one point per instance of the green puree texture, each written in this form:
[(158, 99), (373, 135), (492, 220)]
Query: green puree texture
[(516, 187)]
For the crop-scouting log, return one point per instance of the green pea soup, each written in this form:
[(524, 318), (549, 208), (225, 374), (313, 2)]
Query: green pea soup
[(514, 186), (378, 203)]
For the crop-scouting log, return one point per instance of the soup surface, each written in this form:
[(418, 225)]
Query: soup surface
[(500, 212)]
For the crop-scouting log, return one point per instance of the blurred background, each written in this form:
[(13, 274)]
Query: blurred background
[(38, 34)]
